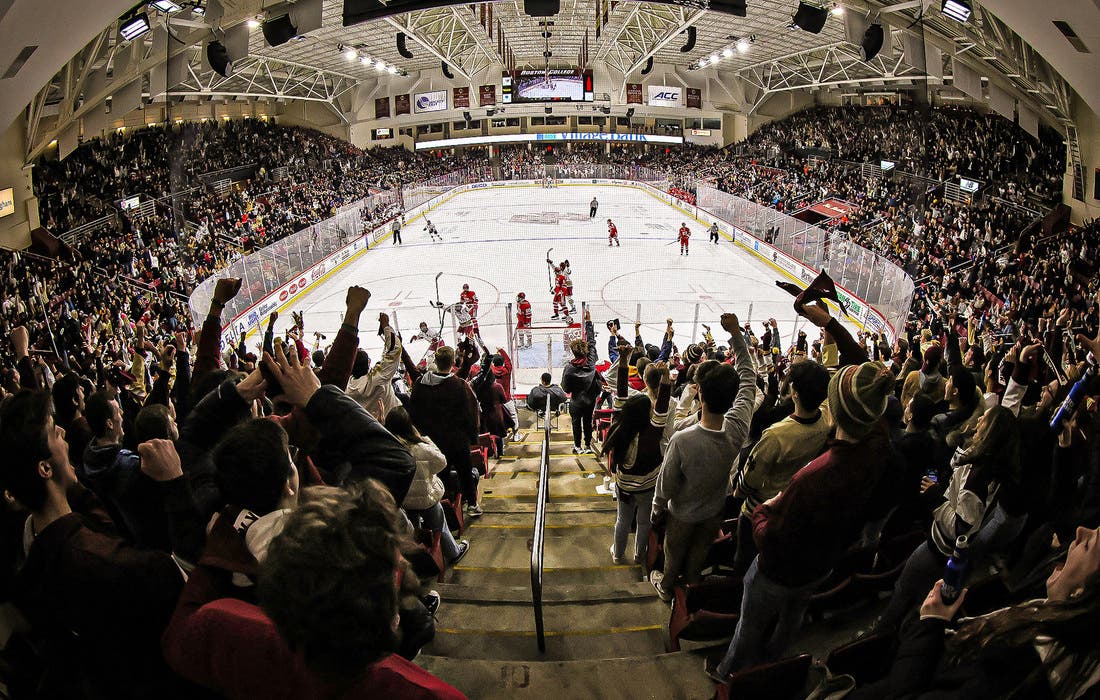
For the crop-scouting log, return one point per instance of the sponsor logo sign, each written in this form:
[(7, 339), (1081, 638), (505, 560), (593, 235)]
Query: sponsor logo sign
[(478, 185), (7, 201), (283, 295), (435, 101), (665, 96)]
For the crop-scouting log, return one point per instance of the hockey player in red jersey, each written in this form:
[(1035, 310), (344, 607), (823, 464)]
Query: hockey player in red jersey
[(560, 304), (523, 321), (685, 236), (469, 297), (612, 234), (564, 274)]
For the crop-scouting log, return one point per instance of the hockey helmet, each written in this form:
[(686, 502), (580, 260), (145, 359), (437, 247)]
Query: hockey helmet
[(465, 287), (521, 296)]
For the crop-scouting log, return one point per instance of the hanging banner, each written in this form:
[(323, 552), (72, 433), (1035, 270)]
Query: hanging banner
[(666, 96), (382, 108), (633, 93), (402, 104), (461, 97), (694, 98), (487, 95), (434, 101)]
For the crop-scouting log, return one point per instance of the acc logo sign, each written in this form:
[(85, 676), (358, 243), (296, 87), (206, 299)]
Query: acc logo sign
[(667, 96)]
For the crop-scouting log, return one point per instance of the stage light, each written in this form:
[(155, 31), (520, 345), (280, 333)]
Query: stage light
[(743, 45), (380, 65), (351, 54), (365, 60), (714, 58), (837, 11), (166, 6), (253, 23), (134, 24), (727, 52), (958, 10), (392, 70)]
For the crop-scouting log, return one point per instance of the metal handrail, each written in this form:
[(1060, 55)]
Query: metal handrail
[(537, 541)]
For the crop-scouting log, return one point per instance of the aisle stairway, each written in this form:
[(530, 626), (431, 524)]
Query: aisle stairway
[(605, 626)]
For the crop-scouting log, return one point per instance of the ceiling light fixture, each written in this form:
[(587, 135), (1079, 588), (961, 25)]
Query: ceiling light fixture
[(253, 23), (133, 24), (166, 6), (727, 52), (958, 10), (837, 11), (351, 54)]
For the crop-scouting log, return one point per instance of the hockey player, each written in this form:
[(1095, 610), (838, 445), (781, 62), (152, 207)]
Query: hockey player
[(560, 305), (592, 208), (433, 338), (523, 321), (713, 231), (685, 236), (433, 233), (467, 324), (612, 234), (469, 297), (565, 274)]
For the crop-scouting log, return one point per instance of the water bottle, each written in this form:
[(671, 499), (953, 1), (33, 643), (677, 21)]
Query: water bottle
[(1075, 394), (956, 571)]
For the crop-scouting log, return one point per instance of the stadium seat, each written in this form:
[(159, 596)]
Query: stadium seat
[(704, 611), (838, 590), (430, 541), (888, 563), (780, 680), (867, 659), (486, 441), (452, 508)]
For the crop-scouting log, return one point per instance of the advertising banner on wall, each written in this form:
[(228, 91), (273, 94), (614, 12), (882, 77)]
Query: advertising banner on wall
[(381, 108), (7, 201), (633, 93), (694, 98), (487, 95), (462, 97), (435, 101), (665, 96), (402, 104)]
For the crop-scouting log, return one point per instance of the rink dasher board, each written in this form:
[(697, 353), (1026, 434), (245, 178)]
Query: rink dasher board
[(861, 313)]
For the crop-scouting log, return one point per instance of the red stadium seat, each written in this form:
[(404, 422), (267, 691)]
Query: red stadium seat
[(780, 680), (704, 611)]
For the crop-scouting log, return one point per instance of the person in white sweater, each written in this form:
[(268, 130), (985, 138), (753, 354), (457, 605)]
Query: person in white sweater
[(422, 501), (369, 385)]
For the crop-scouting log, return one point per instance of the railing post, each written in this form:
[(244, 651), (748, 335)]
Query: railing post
[(695, 323)]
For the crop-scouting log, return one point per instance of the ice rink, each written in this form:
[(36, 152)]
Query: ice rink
[(496, 240)]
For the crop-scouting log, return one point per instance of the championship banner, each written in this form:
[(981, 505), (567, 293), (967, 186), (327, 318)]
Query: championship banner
[(402, 104), (487, 95), (382, 108), (633, 93), (694, 98), (461, 97)]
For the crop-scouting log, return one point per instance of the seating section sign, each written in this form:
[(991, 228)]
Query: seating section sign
[(7, 202)]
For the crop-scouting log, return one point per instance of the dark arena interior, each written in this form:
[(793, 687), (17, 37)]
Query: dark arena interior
[(548, 349)]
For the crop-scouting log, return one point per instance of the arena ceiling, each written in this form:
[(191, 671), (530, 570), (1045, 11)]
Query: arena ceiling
[(761, 49)]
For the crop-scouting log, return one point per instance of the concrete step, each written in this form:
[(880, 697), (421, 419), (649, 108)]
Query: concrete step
[(573, 630), (563, 579), (525, 504), (676, 676), (524, 521), (568, 595), (565, 484), (510, 549)]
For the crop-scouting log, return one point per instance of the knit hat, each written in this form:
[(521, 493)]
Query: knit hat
[(857, 396), (692, 353), (932, 358)]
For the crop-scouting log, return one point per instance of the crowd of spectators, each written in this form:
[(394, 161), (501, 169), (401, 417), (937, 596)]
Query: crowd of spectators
[(243, 507)]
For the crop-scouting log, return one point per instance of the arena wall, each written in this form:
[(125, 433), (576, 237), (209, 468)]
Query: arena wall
[(1088, 135), (15, 228)]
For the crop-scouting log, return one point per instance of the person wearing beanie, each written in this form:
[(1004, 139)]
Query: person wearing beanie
[(927, 380), (802, 531)]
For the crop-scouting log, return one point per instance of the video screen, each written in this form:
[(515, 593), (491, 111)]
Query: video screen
[(540, 85)]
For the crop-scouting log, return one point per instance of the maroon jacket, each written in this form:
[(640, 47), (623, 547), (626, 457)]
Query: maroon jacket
[(801, 536), (228, 644)]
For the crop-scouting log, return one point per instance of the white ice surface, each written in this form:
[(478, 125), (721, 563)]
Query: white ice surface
[(496, 240)]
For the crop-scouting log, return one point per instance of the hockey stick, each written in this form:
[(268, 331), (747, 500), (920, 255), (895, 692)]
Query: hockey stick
[(549, 274)]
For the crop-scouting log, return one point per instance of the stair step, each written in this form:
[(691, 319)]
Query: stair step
[(563, 485), (568, 595), (560, 579), (556, 505), (676, 676), (524, 521), (579, 631), (509, 549)]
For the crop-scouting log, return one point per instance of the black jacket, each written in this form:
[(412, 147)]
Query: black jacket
[(354, 445), (580, 379)]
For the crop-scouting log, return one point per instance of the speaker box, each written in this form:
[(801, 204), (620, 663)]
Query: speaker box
[(692, 33), (402, 48), (279, 30), (872, 42), (810, 18), (541, 8), (446, 70), (218, 57), (648, 66), (466, 116)]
